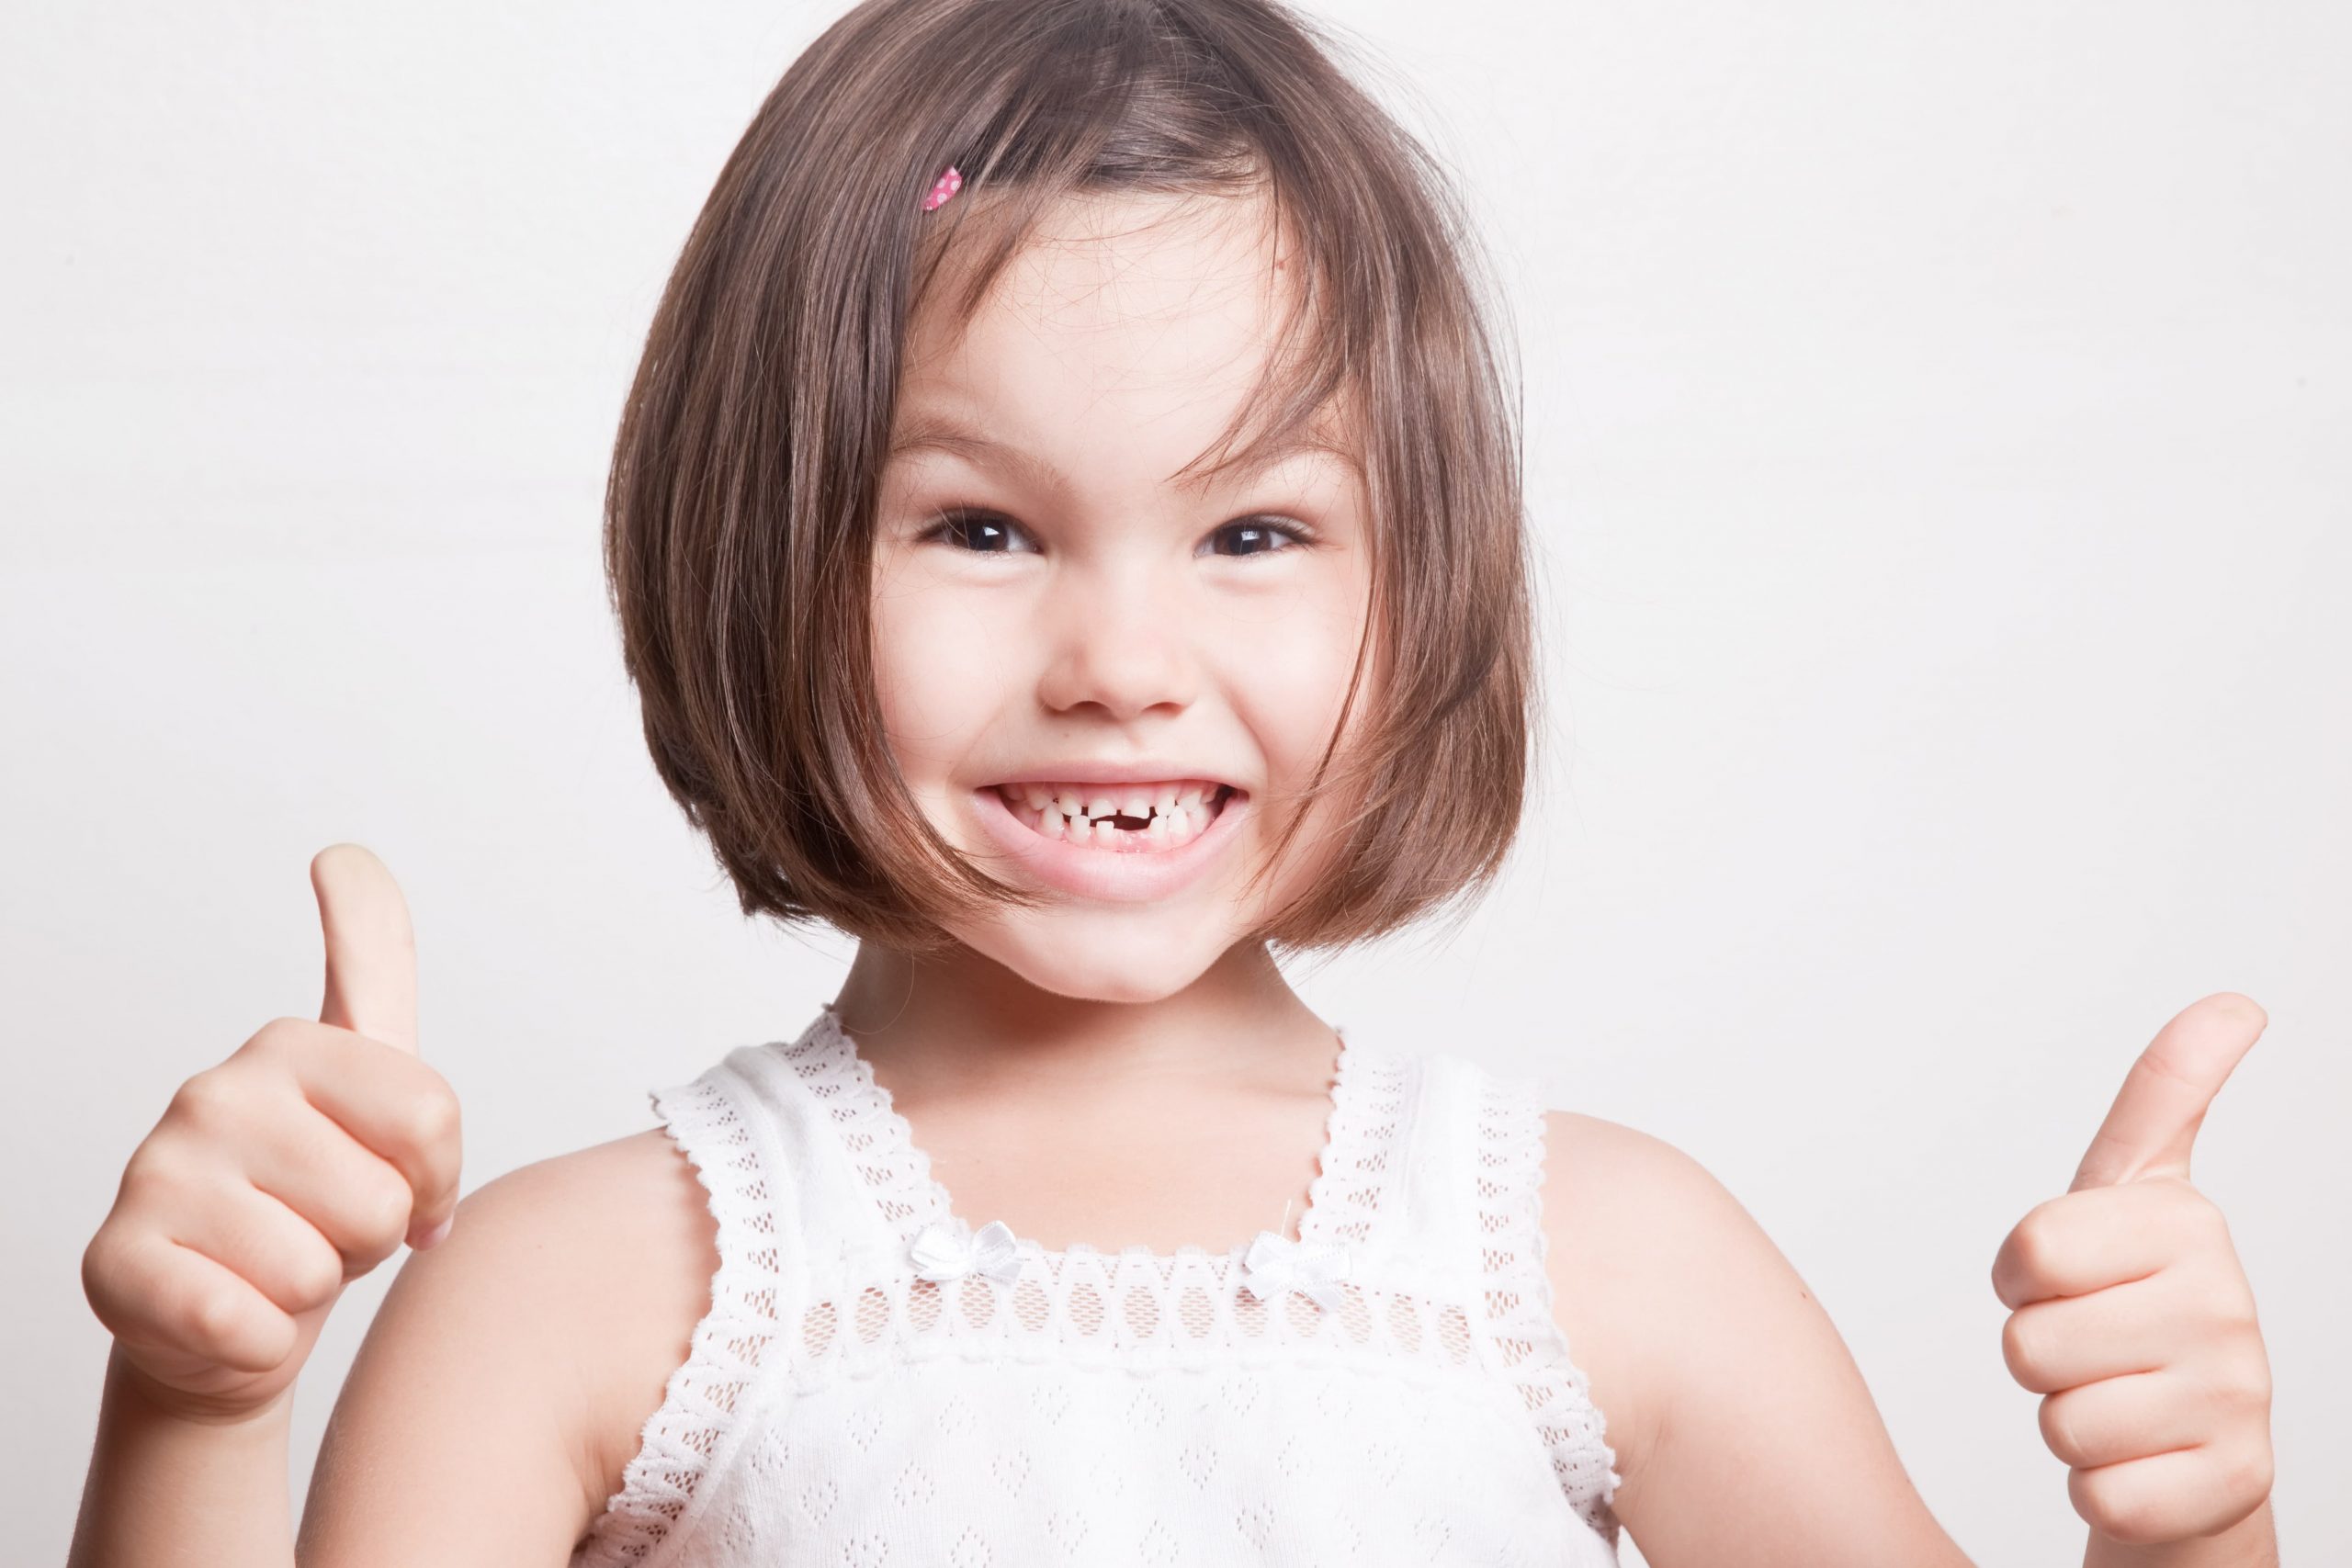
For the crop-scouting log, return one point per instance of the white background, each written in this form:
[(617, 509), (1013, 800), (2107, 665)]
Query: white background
[(1937, 433)]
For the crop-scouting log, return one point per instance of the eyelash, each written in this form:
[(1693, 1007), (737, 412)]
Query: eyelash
[(946, 523)]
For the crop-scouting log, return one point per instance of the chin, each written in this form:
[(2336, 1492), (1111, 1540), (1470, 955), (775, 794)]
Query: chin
[(1054, 956)]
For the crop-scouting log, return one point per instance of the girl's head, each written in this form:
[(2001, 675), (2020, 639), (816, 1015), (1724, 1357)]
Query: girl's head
[(1175, 437)]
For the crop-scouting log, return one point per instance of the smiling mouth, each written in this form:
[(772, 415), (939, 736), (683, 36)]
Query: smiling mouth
[(1118, 818)]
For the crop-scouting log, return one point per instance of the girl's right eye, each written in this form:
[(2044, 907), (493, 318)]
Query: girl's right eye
[(963, 526)]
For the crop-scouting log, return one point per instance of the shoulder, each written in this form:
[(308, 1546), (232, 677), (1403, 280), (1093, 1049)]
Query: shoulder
[(1600, 1187), (628, 1223), (1632, 1227), (509, 1370), (1717, 1373)]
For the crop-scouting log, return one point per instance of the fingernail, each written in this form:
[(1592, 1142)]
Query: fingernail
[(433, 1237)]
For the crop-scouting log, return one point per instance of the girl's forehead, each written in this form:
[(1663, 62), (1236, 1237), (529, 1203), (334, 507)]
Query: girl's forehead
[(1116, 267), (1118, 343)]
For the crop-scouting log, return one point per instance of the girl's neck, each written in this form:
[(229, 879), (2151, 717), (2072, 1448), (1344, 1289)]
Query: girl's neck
[(965, 1026)]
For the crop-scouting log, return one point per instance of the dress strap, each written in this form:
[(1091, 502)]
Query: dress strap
[(747, 1149), (1497, 1126), (871, 1189)]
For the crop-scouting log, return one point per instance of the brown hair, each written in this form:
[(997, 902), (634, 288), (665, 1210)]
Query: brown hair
[(740, 508)]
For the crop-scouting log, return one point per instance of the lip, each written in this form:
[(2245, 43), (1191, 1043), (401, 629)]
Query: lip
[(1145, 770), (1132, 877)]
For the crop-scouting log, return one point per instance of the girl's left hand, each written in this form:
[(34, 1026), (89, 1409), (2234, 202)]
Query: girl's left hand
[(2129, 1309)]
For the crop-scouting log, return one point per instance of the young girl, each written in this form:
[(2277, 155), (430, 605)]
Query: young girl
[(1066, 530)]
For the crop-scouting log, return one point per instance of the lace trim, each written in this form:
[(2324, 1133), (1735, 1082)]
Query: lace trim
[(698, 1406), (1354, 1183), (1357, 1182), (1520, 1330), (1133, 1307), (1135, 1310), (876, 1137)]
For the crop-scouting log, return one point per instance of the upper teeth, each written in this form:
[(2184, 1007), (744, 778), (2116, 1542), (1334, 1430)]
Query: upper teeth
[(1096, 801)]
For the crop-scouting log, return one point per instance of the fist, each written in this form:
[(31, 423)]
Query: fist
[(280, 1174), (2130, 1312)]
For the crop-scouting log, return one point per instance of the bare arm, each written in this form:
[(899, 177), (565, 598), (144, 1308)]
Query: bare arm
[(455, 1436), (500, 1390), (510, 1372), (173, 1489), (1746, 1434)]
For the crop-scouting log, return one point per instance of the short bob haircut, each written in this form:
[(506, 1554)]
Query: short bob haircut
[(739, 528)]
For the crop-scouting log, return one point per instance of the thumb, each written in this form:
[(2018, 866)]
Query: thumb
[(371, 947), (2154, 1120)]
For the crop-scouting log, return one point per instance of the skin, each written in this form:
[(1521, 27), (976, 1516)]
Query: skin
[(512, 1367), (1108, 612)]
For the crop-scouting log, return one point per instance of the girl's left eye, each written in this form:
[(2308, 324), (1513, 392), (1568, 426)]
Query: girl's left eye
[(965, 522), (1297, 534), (972, 525)]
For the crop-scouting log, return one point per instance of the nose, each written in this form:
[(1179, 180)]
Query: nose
[(1122, 642)]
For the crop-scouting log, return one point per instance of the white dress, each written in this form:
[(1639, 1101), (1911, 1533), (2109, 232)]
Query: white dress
[(881, 1381)]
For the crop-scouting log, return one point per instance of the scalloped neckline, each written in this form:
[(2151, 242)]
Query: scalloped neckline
[(1312, 1221)]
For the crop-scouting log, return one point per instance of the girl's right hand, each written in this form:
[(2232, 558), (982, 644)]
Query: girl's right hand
[(279, 1176)]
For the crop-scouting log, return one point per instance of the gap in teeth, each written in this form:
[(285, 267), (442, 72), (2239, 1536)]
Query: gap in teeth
[(1148, 816)]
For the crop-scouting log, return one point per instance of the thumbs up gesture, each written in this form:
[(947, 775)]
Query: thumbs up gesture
[(283, 1173), (2130, 1312)]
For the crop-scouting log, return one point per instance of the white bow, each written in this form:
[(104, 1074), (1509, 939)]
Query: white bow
[(1276, 1264), (949, 1250)]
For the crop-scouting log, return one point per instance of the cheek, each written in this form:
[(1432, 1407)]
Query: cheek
[(1290, 672), (931, 679)]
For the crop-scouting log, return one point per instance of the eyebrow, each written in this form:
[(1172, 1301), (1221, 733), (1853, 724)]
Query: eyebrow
[(941, 433)]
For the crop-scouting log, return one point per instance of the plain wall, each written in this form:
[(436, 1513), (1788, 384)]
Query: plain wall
[(1937, 440)]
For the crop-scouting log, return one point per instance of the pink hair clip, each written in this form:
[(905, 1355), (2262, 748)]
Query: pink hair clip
[(948, 184)]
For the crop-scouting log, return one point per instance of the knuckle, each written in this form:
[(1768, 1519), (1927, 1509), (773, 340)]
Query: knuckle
[(170, 1159), (202, 1103), (318, 1279), (2030, 1244), (2218, 1293), (2193, 1210), (2112, 1504), (2020, 1348), (278, 1037), (432, 1121), (2044, 1215), (2217, 1226), (383, 1211), (209, 1319), (2238, 1377), (453, 1112), (2058, 1430), (2256, 1383), (2248, 1474), (157, 1168), (102, 1272)]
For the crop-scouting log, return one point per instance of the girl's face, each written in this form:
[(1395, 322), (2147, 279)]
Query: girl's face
[(1046, 600)]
